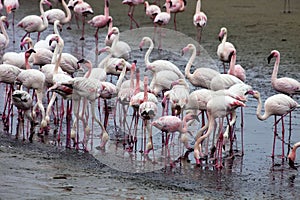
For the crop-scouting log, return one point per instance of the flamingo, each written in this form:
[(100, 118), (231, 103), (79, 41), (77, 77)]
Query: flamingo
[(58, 14), (100, 21), (170, 124), (202, 76), (292, 156), (82, 8), (157, 65), (223, 81), (109, 41), (236, 70), (284, 85), (132, 4), (217, 107), (178, 96), (199, 20), (151, 10), (33, 79), (4, 39), (147, 111), (162, 19), (34, 23), (176, 7), (120, 49), (23, 101), (224, 48), (14, 58), (286, 9), (277, 105), (12, 6)]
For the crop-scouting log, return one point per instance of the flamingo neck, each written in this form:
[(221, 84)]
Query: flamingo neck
[(224, 39), (147, 55), (45, 20), (104, 61), (258, 111), (275, 70), (55, 25), (57, 63), (121, 77), (27, 65), (190, 62), (137, 82), (198, 6), (68, 12), (89, 66), (106, 8), (132, 77), (211, 125), (232, 65), (3, 30), (115, 41), (145, 89)]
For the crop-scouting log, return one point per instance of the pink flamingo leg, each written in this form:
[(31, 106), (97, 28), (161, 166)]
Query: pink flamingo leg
[(282, 142), (274, 139)]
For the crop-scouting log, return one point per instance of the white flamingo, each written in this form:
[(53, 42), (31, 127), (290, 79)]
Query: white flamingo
[(120, 49), (199, 20), (58, 14), (4, 39)]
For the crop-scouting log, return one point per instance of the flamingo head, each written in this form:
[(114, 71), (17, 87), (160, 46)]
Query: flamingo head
[(292, 157), (185, 49), (114, 30), (29, 52), (105, 49), (222, 32), (4, 19), (273, 54), (54, 38), (48, 3), (255, 94)]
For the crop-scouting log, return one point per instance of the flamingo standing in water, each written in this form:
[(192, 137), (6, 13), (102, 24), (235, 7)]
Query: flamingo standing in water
[(277, 105), (199, 20), (217, 107), (284, 85), (82, 8), (34, 79), (12, 6), (100, 21), (176, 7), (224, 48), (292, 155), (34, 23), (4, 39), (202, 76), (132, 4)]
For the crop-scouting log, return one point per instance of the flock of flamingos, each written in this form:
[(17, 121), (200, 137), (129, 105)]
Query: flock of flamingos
[(37, 92)]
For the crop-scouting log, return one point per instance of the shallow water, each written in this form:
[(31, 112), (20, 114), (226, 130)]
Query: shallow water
[(255, 33)]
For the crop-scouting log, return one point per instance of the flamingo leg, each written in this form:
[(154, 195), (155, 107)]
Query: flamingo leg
[(274, 139), (68, 122), (282, 142), (175, 27), (83, 26), (290, 133)]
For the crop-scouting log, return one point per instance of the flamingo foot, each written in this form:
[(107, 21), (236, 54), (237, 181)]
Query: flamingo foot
[(82, 38)]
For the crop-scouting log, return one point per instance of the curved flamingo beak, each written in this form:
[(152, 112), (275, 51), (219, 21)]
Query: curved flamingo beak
[(292, 164), (183, 51), (221, 35), (270, 57)]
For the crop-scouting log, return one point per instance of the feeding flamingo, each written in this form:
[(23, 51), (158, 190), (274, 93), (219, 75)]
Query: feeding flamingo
[(292, 156), (217, 107), (202, 76), (224, 48), (34, 23), (132, 4), (199, 20), (277, 105)]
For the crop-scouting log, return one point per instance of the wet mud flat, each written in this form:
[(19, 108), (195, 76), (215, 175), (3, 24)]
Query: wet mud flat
[(40, 171)]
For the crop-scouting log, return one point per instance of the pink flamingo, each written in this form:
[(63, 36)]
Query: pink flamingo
[(12, 6), (202, 76), (217, 107), (34, 79), (147, 111), (132, 4), (58, 14), (151, 10), (162, 19), (277, 105), (82, 8), (120, 49), (176, 7), (100, 21), (284, 85), (286, 9), (199, 20), (4, 39), (157, 65), (224, 48), (236, 69), (292, 155), (170, 124)]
